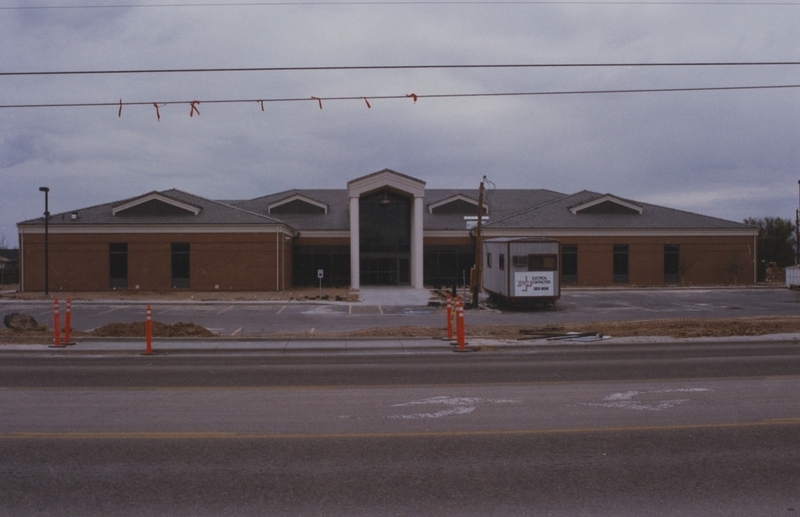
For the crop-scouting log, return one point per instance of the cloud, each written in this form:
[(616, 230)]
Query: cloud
[(727, 154)]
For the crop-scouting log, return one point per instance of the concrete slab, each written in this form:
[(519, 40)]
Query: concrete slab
[(374, 344), (404, 296), (316, 345)]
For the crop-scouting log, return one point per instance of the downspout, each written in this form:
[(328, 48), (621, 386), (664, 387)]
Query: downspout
[(21, 266), (277, 262)]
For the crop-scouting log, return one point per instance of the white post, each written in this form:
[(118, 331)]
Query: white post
[(417, 264), (355, 258)]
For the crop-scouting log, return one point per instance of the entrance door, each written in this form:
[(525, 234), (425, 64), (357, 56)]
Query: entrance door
[(384, 270), (384, 238)]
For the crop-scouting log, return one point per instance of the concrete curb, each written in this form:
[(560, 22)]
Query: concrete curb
[(166, 346)]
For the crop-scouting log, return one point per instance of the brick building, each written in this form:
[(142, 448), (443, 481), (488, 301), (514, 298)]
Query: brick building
[(385, 228)]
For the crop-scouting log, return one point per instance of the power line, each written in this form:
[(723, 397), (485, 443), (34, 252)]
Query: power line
[(399, 67), (195, 103), (397, 2)]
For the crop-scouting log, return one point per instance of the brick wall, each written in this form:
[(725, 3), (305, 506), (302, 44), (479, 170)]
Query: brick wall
[(225, 261), (708, 260)]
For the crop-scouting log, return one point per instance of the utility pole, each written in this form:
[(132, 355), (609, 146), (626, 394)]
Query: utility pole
[(797, 233), (46, 251), (478, 270)]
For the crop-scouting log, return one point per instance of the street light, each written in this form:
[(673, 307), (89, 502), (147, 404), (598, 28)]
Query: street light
[(46, 254)]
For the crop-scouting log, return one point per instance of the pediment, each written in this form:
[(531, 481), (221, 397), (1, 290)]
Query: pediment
[(457, 204), (607, 204), (155, 204), (297, 204), (386, 178)]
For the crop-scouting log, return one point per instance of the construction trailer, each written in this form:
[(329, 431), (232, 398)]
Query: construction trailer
[(793, 277), (522, 271)]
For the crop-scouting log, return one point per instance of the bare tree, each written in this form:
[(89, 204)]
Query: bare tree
[(776, 242), (686, 261), (735, 266), (3, 242)]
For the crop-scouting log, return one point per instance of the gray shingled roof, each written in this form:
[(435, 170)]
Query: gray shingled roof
[(556, 215), (337, 218), (211, 212), (508, 209), (501, 203)]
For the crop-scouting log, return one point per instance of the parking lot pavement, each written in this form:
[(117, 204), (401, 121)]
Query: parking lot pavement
[(395, 296), (232, 319)]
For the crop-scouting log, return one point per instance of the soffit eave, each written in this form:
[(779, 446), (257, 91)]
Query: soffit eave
[(88, 229)]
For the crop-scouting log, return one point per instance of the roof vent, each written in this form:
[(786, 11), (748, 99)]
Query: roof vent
[(74, 216)]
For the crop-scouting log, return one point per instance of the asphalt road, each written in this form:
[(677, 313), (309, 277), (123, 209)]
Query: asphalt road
[(242, 319), (636, 430)]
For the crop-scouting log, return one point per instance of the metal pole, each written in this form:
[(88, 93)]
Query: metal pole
[(46, 239), (797, 233), (148, 331)]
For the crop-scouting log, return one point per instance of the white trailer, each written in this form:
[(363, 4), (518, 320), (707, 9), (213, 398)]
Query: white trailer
[(522, 270), (793, 277)]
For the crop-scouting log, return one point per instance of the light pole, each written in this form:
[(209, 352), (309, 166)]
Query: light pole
[(46, 235)]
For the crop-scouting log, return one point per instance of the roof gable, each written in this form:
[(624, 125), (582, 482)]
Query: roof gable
[(155, 204), (386, 178), (297, 204), (606, 204), (457, 204)]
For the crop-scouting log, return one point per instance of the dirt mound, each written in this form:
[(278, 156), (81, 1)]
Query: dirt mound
[(677, 328), (136, 329)]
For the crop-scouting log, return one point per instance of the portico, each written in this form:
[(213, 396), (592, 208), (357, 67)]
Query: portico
[(386, 214)]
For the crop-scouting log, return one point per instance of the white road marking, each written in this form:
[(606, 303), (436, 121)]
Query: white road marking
[(225, 310), (640, 307), (625, 400), (236, 331), (280, 311), (458, 406), (320, 309)]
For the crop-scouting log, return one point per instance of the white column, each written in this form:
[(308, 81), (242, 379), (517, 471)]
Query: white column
[(355, 258), (417, 263)]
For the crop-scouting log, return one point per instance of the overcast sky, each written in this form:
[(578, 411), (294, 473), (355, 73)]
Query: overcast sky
[(729, 154)]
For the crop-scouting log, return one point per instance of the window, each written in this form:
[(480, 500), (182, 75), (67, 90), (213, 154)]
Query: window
[(502, 262), (542, 263), (447, 265), (333, 260), (385, 223), (180, 264), (519, 260), (488, 260), (621, 263), (118, 265), (671, 264), (569, 264)]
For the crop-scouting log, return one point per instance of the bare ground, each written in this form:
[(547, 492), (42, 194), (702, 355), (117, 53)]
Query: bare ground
[(677, 328), (300, 294)]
